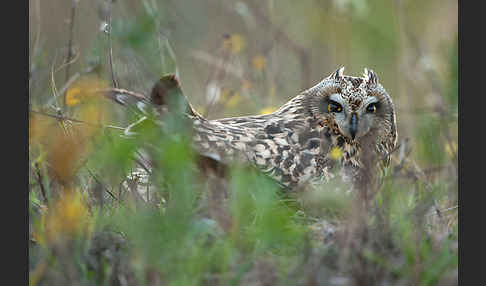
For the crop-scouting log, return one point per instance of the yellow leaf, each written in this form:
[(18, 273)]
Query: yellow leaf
[(259, 62), (235, 43)]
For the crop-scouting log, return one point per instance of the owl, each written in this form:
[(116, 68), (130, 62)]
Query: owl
[(353, 117)]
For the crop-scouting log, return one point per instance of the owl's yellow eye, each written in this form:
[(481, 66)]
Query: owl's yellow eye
[(334, 107), (371, 108)]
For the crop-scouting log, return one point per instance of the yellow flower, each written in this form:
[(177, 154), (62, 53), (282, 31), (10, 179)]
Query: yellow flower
[(336, 153), (259, 62), (84, 89), (73, 96), (267, 110), (235, 43)]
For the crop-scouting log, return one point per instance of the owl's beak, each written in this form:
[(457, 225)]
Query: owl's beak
[(353, 128)]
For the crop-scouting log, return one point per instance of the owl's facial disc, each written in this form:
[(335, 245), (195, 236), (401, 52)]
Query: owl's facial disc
[(353, 122)]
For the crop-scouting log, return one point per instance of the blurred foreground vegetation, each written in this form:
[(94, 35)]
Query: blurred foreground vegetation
[(98, 216)]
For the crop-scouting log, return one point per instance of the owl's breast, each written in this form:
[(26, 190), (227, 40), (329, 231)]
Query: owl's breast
[(290, 151), (293, 156)]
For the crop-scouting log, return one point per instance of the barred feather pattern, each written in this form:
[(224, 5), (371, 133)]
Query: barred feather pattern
[(292, 145), (286, 145)]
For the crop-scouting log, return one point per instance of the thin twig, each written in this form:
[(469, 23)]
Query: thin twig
[(41, 183), (122, 91), (437, 210), (70, 62), (55, 92), (450, 209), (138, 161), (53, 82), (61, 117), (110, 9), (70, 82), (445, 210), (70, 41), (98, 181)]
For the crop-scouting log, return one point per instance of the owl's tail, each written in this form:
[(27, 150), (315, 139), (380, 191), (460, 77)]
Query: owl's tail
[(166, 97)]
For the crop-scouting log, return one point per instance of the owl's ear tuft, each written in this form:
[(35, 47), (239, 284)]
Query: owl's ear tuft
[(338, 74), (370, 77)]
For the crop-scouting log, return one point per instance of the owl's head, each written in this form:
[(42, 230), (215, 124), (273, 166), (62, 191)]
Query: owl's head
[(354, 107)]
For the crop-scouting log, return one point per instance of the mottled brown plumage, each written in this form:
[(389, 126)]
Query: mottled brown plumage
[(293, 144)]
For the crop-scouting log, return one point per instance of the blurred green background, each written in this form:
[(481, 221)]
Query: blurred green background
[(279, 49), (236, 58)]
